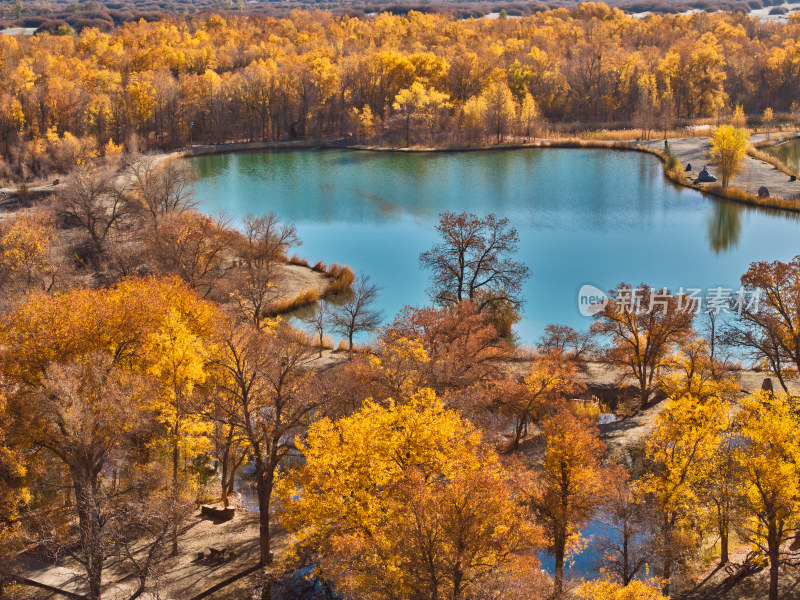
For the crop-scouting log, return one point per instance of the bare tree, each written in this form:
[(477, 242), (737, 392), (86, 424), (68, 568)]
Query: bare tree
[(265, 377), (473, 261), (768, 317), (643, 326), (575, 345), (91, 198), (193, 247), (356, 315), (157, 186), (319, 321), (259, 251), (627, 547)]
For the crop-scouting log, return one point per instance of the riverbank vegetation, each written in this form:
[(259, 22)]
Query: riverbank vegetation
[(396, 80), (438, 460)]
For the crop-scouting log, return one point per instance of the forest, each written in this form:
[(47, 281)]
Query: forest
[(153, 363), (50, 14), (145, 372), (420, 79)]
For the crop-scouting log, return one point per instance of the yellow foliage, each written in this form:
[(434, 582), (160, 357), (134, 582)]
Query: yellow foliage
[(692, 372), (381, 488), (768, 461), (728, 148), (607, 589), (682, 450)]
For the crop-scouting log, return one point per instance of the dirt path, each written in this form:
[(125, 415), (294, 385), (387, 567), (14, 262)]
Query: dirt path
[(180, 577)]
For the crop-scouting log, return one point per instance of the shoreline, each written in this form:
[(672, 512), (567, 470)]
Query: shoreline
[(734, 193)]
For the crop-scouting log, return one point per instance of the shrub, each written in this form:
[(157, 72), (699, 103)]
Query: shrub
[(342, 277), (309, 296), (296, 260)]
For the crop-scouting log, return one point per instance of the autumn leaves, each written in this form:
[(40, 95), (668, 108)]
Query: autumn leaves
[(404, 80)]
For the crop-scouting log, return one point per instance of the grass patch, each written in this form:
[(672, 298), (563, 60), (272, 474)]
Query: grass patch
[(768, 158), (341, 278), (739, 195), (303, 337), (296, 260), (309, 296)]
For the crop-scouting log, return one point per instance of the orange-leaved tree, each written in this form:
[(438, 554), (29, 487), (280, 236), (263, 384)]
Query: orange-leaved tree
[(80, 365), (642, 326)]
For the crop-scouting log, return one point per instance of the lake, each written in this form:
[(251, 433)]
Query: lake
[(788, 153), (584, 217)]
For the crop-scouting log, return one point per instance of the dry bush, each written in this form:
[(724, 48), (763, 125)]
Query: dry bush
[(342, 278), (296, 260), (279, 307)]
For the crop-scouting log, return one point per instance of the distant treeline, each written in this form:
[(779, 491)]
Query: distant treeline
[(49, 15), (404, 80)]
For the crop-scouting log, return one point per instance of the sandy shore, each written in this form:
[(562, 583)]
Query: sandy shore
[(754, 173)]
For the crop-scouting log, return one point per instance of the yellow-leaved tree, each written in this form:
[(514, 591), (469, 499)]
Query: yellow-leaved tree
[(609, 589), (767, 118), (80, 365), (768, 461), (404, 501), (728, 148), (14, 493), (27, 259), (680, 451), (419, 105), (176, 354), (693, 372), (568, 486)]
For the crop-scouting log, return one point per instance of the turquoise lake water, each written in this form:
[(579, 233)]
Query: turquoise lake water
[(583, 216)]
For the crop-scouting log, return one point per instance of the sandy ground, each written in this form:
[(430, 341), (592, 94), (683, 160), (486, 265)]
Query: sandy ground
[(183, 577), (633, 429), (297, 279), (753, 175)]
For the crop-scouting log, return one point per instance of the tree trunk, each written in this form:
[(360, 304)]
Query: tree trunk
[(667, 571), (559, 548), (723, 536), (773, 549), (175, 457), (627, 576), (518, 434), (264, 489), (90, 528), (644, 396), (224, 484)]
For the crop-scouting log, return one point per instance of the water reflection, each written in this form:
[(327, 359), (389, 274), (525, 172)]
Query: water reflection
[(724, 226), (583, 216)]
